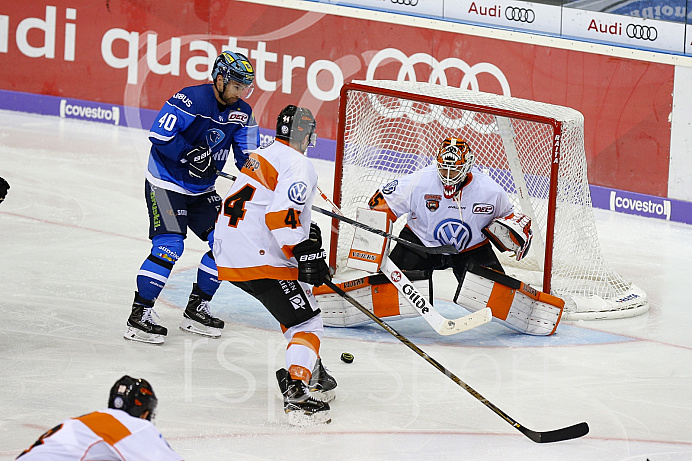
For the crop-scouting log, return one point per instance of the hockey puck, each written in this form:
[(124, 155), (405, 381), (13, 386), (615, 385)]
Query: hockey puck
[(346, 357)]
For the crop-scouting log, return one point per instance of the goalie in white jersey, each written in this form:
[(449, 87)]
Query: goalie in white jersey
[(123, 432), (266, 245), (447, 204)]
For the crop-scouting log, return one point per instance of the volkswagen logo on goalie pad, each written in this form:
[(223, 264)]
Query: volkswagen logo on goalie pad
[(453, 232)]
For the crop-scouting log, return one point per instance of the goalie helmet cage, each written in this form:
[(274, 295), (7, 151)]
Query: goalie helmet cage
[(535, 151)]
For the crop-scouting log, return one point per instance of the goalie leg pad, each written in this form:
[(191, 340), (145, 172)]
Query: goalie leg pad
[(517, 306), (382, 299)]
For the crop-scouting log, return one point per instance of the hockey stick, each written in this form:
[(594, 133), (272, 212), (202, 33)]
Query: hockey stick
[(440, 324), (225, 175), (444, 249), (566, 433)]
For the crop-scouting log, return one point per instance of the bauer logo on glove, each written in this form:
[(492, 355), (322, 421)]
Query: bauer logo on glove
[(511, 233)]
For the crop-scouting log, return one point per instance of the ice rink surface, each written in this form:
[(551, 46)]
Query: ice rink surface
[(73, 233)]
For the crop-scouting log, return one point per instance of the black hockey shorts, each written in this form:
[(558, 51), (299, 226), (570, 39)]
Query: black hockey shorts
[(173, 213), (286, 300), (407, 258)]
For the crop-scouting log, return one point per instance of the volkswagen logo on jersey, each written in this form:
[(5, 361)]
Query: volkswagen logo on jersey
[(390, 187), (453, 232), (214, 136), (298, 193)]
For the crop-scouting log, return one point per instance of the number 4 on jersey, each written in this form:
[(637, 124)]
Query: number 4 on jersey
[(234, 206)]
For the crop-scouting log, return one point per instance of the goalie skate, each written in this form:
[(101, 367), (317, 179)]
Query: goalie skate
[(197, 317), (322, 385), (302, 409)]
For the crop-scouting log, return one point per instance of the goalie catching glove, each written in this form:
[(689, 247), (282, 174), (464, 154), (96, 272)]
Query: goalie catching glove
[(312, 267), (199, 162), (511, 233)]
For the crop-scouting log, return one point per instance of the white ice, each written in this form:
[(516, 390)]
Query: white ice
[(73, 233)]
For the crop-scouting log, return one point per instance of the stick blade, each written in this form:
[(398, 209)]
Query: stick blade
[(558, 435), (465, 323)]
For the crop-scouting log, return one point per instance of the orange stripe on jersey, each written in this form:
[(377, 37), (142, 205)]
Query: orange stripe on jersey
[(261, 171), (243, 274), (284, 218), (105, 426)]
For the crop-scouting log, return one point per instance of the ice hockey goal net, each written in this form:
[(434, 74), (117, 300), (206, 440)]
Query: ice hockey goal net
[(535, 151)]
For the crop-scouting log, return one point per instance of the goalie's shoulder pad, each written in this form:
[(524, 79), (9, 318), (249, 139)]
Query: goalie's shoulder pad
[(511, 233)]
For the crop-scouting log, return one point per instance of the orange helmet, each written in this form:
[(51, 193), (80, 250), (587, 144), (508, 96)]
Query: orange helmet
[(454, 161)]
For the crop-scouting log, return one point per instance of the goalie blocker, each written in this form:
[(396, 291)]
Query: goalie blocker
[(514, 303)]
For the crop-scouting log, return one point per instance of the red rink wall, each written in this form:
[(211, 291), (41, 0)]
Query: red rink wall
[(139, 53)]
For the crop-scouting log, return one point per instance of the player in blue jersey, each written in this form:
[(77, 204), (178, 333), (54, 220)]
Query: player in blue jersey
[(193, 135)]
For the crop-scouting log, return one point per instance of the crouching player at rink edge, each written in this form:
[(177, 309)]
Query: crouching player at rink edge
[(266, 244), (448, 204), (193, 135), (122, 432)]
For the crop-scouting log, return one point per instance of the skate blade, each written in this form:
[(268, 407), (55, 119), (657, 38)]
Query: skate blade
[(190, 326), (135, 334), (301, 419), (323, 396)]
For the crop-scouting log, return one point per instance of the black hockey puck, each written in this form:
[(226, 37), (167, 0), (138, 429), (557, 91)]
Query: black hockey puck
[(346, 357)]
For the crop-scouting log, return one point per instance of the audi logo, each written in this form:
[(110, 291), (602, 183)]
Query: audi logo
[(520, 14), (641, 32), (406, 2), (407, 72)]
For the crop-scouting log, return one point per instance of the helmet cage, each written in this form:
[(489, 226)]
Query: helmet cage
[(133, 396), (454, 161)]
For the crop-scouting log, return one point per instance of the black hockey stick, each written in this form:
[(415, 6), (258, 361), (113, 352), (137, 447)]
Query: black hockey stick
[(566, 433), (444, 249)]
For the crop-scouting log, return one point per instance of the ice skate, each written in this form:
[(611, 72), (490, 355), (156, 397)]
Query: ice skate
[(141, 325), (302, 409), (197, 317), (322, 385)]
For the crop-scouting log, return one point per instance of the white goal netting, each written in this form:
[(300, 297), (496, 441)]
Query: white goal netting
[(535, 151)]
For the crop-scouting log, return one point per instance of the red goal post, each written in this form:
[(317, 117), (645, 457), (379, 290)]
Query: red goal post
[(535, 151)]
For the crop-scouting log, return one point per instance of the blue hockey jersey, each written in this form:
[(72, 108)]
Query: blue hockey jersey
[(190, 118)]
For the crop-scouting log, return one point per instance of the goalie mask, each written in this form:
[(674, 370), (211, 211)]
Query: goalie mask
[(237, 67), (454, 162), (294, 123), (133, 396)]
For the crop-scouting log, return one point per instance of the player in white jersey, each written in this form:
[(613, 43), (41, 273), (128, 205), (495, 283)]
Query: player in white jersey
[(448, 204), (122, 432), (265, 243)]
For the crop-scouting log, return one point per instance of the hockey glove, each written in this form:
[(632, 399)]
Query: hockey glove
[(312, 267), (315, 233), (5, 186), (511, 233), (199, 162)]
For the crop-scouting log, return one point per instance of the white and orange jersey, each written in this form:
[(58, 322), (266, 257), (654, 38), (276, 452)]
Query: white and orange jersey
[(437, 220), (102, 435), (264, 215)]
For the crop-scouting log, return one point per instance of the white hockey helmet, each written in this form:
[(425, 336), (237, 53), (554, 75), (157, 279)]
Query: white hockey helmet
[(454, 162)]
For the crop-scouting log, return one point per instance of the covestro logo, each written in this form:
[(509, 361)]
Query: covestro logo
[(633, 205)]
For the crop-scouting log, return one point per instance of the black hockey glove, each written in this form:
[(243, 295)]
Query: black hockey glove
[(315, 233), (5, 186), (312, 267), (199, 162)]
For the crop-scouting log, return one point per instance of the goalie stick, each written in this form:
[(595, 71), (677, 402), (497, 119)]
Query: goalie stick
[(444, 249), (440, 324), (557, 435)]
